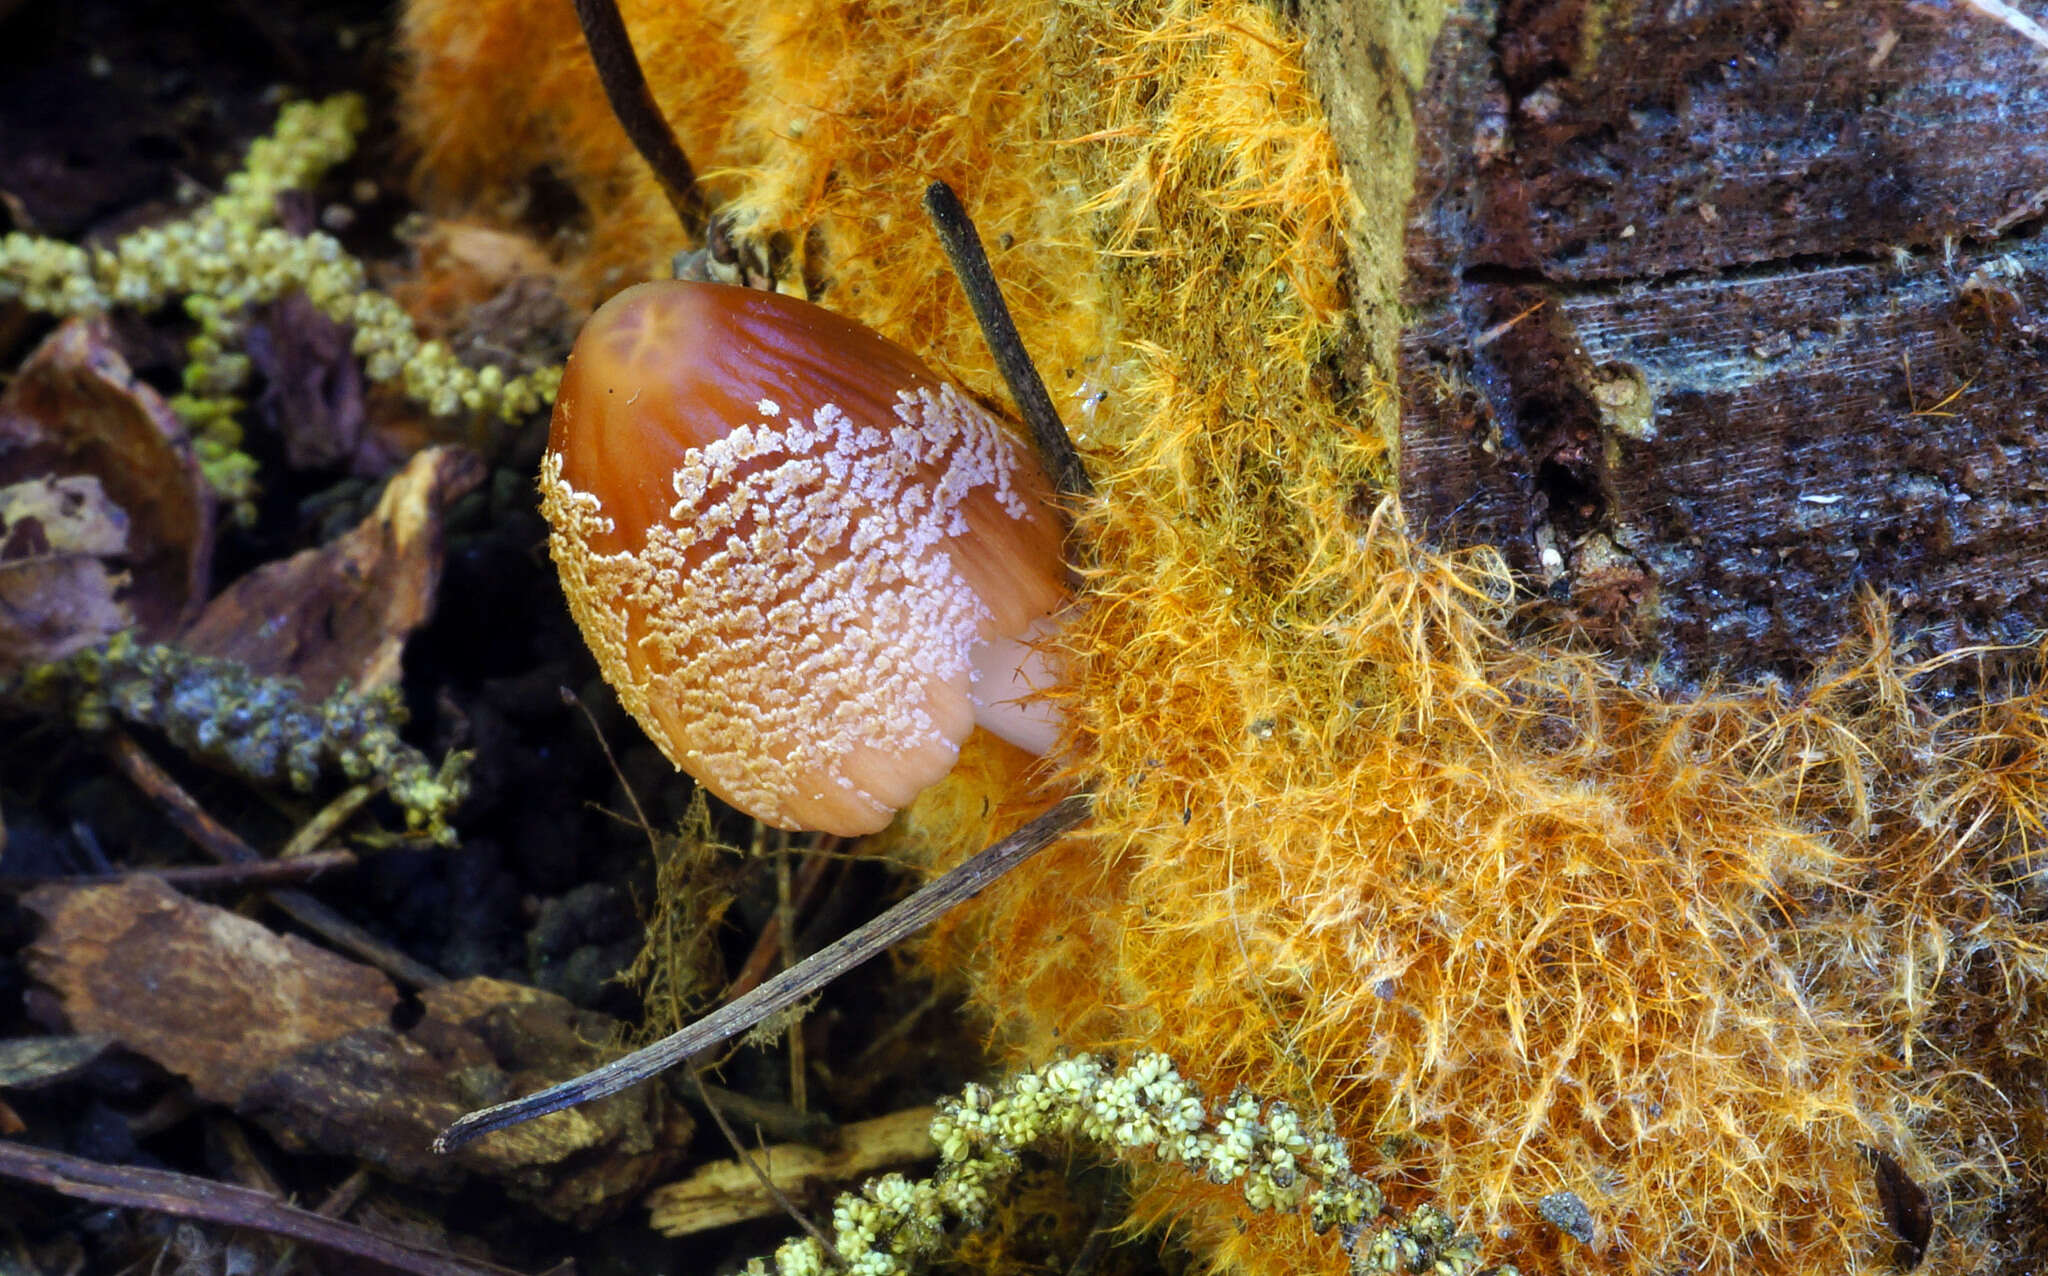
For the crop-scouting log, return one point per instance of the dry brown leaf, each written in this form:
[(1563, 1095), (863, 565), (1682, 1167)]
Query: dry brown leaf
[(491, 296), (312, 386), (212, 996), (49, 517), (461, 266), (721, 1193), (76, 409), (301, 1041), (344, 610), (59, 589)]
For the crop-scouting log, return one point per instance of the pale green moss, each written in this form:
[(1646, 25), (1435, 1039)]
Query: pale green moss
[(226, 257), (1145, 1108)]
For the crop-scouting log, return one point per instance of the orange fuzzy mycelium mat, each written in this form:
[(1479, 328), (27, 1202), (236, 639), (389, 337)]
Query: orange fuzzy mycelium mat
[(1518, 926)]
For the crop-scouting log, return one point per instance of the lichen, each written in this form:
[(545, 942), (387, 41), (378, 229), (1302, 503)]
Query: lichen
[(228, 256), (257, 726), (1262, 1148)]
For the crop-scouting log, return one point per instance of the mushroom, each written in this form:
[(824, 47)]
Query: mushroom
[(808, 565)]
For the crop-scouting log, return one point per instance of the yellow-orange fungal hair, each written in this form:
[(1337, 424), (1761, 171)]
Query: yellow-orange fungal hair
[(1522, 926)]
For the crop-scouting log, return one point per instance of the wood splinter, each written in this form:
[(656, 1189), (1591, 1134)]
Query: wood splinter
[(725, 1192)]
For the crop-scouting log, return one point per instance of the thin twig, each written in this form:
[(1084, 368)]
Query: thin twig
[(1505, 326), (785, 913), (353, 939), (219, 841), (201, 876), (188, 1196), (342, 1197), (970, 263), (776, 1120), (769, 942), (896, 1031), (174, 1108), (761, 1175), (923, 907), (625, 87), (336, 1204), (229, 1142), (328, 821), (1112, 1203), (207, 833), (1999, 11), (618, 773), (1100, 1236)]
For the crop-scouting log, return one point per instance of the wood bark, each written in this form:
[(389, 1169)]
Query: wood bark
[(1724, 314)]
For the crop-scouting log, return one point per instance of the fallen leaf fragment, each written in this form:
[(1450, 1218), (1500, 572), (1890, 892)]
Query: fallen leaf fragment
[(301, 1042), (209, 995), (312, 387), (50, 517), (61, 541), (75, 409), (463, 265), (344, 610)]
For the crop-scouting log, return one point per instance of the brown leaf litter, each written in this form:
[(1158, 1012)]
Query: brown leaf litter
[(305, 1044), (105, 519), (344, 610)]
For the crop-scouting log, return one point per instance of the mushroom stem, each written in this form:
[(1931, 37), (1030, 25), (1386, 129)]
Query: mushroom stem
[(1009, 678)]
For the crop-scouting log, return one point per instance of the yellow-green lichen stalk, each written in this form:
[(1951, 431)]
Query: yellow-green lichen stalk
[(258, 726), (210, 404), (1145, 1107), (227, 256)]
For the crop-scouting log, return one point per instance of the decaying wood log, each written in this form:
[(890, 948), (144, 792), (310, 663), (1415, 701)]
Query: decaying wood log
[(1726, 311)]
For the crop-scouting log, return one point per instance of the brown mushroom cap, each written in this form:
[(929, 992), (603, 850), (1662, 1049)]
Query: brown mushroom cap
[(785, 538)]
